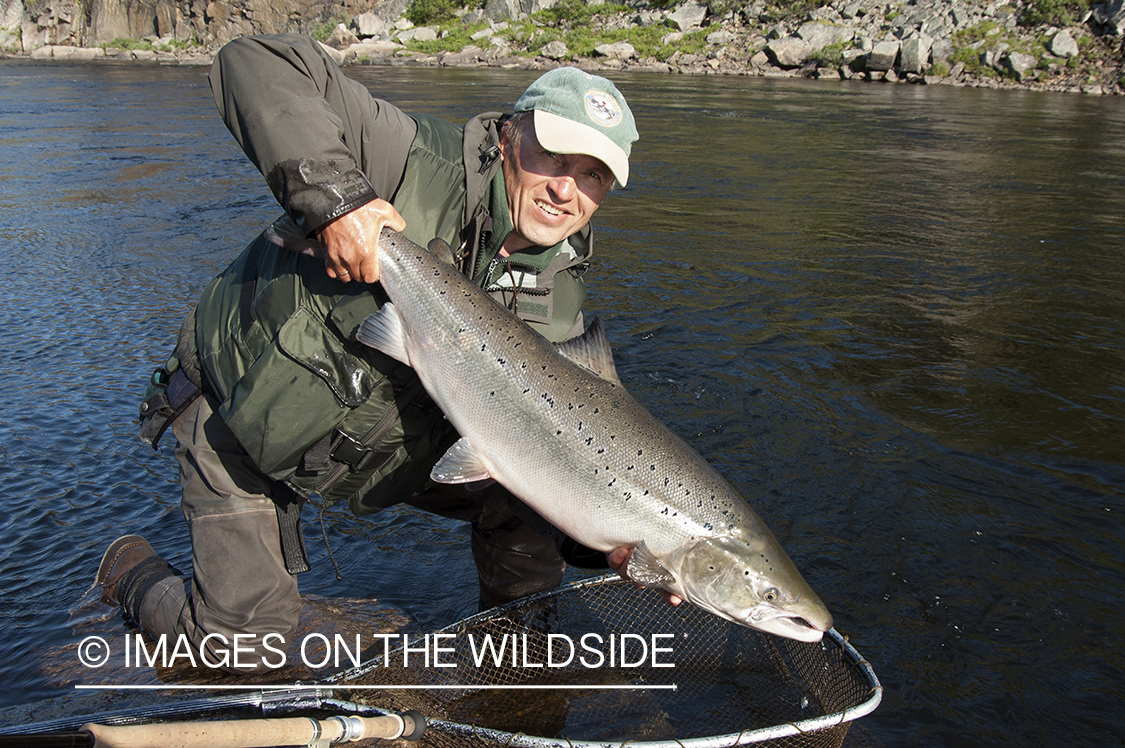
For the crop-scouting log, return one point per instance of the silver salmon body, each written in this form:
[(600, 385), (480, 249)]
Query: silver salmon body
[(554, 425)]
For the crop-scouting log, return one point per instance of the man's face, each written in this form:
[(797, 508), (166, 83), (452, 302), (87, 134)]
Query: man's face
[(550, 195)]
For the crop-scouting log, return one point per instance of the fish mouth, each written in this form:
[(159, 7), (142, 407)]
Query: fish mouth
[(790, 627)]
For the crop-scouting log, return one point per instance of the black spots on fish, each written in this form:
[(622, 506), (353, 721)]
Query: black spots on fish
[(483, 346), (596, 410), (652, 467), (580, 425), (600, 451), (501, 361), (492, 393), (527, 390), (558, 433), (550, 400), (610, 484), (629, 468), (640, 452), (589, 440)]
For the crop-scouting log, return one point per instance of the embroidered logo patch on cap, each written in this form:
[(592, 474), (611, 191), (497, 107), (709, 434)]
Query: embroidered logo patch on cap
[(602, 109)]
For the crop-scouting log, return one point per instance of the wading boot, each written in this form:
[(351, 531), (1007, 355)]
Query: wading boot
[(122, 556)]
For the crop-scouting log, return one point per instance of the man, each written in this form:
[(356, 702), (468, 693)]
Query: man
[(270, 396)]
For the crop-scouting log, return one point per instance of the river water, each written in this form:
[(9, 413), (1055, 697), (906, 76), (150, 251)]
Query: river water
[(892, 316)]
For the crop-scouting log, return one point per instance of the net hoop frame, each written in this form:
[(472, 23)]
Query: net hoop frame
[(745, 737)]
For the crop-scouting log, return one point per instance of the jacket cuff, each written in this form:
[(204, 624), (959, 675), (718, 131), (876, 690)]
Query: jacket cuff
[(314, 192)]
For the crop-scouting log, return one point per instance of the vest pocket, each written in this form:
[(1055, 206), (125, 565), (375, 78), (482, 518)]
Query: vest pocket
[(300, 387)]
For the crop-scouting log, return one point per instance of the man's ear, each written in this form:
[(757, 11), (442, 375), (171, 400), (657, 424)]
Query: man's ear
[(505, 143)]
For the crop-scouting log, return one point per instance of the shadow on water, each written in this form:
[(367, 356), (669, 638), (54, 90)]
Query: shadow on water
[(891, 316)]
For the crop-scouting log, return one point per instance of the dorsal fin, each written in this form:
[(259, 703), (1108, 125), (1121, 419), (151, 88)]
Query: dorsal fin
[(591, 350)]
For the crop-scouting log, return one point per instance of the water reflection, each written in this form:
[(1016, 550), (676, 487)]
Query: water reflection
[(890, 315)]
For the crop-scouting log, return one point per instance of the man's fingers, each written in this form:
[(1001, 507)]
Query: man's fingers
[(351, 241)]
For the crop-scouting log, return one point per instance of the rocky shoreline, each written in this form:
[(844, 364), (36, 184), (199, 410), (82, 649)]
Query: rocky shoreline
[(950, 42)]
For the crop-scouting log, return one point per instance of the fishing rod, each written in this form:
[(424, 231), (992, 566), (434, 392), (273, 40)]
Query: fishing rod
[(236, 733)]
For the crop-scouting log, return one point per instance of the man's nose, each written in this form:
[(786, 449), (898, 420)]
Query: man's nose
[(564, 187)]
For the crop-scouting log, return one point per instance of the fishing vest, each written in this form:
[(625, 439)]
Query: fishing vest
[(321, 413)]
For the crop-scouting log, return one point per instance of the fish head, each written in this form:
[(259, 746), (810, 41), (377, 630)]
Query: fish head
[(753, 583)]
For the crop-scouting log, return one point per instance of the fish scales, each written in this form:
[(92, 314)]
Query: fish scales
[(573, 445)]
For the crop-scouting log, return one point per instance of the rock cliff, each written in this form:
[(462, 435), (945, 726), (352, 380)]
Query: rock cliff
[(994, 43)]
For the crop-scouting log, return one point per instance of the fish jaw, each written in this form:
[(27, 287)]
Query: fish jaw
[(788, 626)]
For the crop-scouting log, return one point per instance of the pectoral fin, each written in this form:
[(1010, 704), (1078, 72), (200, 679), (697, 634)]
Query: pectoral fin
[(382, 331), (460, 464), (646, 570)]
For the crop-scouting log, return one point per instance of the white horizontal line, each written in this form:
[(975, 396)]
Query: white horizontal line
[(442, 687)]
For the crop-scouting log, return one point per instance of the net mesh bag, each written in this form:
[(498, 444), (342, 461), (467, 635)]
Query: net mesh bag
[(603, 663)]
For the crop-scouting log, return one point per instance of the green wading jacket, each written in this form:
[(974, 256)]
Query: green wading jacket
[(276, 336)]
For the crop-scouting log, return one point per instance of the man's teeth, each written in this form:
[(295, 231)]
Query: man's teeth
[(548, 209)]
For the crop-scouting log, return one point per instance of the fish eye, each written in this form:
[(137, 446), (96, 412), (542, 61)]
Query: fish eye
[(771, 594)]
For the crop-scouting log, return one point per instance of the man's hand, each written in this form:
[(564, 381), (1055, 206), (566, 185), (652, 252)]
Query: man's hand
[(351, 241), (618, 560)]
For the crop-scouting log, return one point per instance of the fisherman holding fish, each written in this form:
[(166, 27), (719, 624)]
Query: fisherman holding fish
[(269, 394)]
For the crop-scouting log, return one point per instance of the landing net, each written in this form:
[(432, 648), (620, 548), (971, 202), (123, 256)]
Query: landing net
[(603, 663)]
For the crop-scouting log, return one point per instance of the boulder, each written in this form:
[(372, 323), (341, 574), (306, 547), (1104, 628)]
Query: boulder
[(789, 52), (1111, 15), (915, 54), (336, 54), (722, 36), (821, 35), (502, 10), (882, 56), (1019, 64), (79, 53), (368, 24), (616, 51), (371, 48), (341, 37), (1062, 44), (688, 15), (555, 50), (534, 6)]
